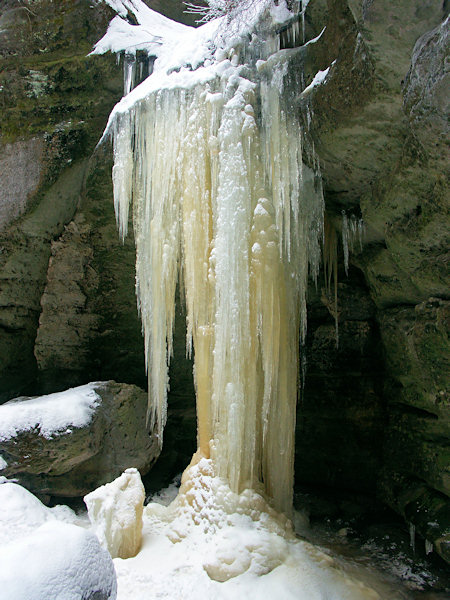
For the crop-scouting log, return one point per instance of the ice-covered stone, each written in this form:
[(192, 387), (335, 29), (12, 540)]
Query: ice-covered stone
[(115, 511)]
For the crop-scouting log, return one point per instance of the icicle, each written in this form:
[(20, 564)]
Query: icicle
[(345, 240), (428, 547), (361, 233), (352, 229), (412, 536), (330, 268), (304, 4), (129, 69)]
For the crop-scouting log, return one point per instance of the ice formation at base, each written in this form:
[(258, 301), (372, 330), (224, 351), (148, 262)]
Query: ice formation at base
[(211, 160), (115, 511), (210, 542)]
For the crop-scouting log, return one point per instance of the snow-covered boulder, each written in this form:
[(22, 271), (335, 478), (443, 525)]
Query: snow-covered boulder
[(115, 511), (58, 561), (69, 443), (21, 512), (47, 553)]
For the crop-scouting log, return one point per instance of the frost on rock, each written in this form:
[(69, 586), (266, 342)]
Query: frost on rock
[(115, 511), (210, 156), (320, 77), (57, 560)]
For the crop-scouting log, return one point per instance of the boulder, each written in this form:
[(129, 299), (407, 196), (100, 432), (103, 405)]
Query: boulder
[(69, 443)]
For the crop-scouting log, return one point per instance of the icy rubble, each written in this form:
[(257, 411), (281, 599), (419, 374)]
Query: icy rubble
[(213, 543)]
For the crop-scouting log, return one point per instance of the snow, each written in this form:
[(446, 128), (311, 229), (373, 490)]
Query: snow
[(181, 51), (51, 415), (280, 13), (316, 39), (58, 561), (318, 79), (47, 552), (3, 463), (21, 512), (177, 553), (175, 43), (212, 543)]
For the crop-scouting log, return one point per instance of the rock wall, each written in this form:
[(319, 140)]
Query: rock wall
[(374, 412), (381, 131)]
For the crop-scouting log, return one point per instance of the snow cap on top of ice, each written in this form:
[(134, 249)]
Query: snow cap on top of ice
[(177, 46), (151, 31)]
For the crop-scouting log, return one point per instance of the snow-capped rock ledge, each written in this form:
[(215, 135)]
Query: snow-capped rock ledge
[(69, 443)]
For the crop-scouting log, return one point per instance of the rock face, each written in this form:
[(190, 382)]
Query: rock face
[(380, 127), (74, 460), (54, 101), (341, 414), (25, 158), (374, 412)]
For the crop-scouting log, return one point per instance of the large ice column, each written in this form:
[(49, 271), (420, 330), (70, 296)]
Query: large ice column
[(223, 205)]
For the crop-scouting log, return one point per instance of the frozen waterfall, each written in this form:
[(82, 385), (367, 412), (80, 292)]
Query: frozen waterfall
[(211, 161), (225, 191)]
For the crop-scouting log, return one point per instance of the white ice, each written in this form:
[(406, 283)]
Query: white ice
[(115, 511)]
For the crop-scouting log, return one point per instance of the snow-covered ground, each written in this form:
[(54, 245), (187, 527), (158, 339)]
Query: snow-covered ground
[(48, 552), (208, 543), (51, 553)]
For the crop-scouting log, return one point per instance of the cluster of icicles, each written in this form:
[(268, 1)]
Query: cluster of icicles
[(224, 207)]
